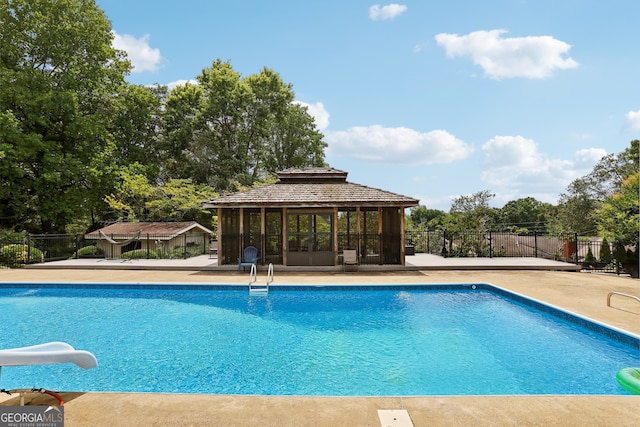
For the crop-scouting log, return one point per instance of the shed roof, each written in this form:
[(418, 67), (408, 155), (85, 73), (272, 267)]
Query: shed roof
[(164, 229), (313, 187)]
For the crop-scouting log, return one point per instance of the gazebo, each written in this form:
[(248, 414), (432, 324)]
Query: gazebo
[(308, 217)]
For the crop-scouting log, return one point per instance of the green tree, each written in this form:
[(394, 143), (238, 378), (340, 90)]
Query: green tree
[(178, 123), (293, 142), (132, 193), (231, 132), (58, 72), (137, 199), (605, 255), (472, 213), (619, 215), (421, 218), (135, 124), (577, 207), (527, 214), (180, 200)]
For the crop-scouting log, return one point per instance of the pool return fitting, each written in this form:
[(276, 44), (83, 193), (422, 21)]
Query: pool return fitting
[(255, 288)]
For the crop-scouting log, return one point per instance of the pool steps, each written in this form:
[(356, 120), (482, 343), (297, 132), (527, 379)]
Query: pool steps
[(255, 288)]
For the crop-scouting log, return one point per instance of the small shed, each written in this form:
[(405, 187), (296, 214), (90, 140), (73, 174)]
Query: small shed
[(309, 217), (159, 237)]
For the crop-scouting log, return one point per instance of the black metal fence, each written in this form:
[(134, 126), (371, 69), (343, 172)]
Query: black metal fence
[(566, 247), (38, 248), (491, 244)]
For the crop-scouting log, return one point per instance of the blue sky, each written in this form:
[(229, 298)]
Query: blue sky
[(430, 99)]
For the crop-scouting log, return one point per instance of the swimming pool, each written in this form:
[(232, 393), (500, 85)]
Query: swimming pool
[(343, 341)]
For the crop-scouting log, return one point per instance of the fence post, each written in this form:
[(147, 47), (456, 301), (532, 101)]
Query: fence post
[(29, 248), (428, 249), (444, 243), (184, 244), (148, 254), (490, 245), (77, 245), (535, 244), (576, 240)]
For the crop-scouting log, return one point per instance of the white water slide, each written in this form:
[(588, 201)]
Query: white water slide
[(47, 354)]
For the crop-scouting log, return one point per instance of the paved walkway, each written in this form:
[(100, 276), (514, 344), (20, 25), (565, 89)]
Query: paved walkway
[(582, 293)]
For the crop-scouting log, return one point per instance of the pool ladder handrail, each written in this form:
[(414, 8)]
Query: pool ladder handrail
[(253, 277), (622, 294)]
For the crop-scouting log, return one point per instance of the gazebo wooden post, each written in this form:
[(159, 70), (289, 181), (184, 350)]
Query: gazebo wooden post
[(335, 235), (263, 235), (284, 236), (380, 239), (219, 237), (240, 232), (402, 245), (358, 247)]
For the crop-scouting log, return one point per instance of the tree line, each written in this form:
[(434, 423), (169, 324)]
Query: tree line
[(81, 147)]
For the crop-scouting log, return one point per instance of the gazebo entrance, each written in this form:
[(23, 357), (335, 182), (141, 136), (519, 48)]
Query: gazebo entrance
[(310, 239)]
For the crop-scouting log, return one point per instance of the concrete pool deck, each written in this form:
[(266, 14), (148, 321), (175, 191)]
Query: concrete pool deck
[(581, 293)]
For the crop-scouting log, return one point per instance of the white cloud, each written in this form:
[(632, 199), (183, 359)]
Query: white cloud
[(177, 83), (588, 157), (142, 56), (390, 11), (396, 145), (632, 120), (514, 168), (419, 47), (530, 57), (318, 112)]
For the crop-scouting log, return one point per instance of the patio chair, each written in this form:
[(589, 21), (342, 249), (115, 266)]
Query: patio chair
[(349, 259), (250, 257)]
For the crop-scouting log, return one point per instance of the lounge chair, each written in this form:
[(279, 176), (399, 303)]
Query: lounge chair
[(349, 259), (250, 257)]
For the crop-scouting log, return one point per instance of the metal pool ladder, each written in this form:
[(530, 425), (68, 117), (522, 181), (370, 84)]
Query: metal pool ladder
[(622, 295), (255, 288)]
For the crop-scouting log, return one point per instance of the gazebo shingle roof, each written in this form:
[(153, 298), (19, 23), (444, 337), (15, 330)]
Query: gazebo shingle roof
[(311, 188)]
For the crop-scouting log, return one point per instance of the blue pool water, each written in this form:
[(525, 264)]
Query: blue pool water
[(344, 342)]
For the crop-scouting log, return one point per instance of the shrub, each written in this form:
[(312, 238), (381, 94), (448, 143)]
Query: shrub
[(605, 252), (139, 254), (89, 252), (589, 257), (179, 252), (16, 255)]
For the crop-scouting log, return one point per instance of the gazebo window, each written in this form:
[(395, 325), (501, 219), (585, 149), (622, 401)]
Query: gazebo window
[(251, 228), (229, 229), (273, 236), (370, 249), (347, 229)]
